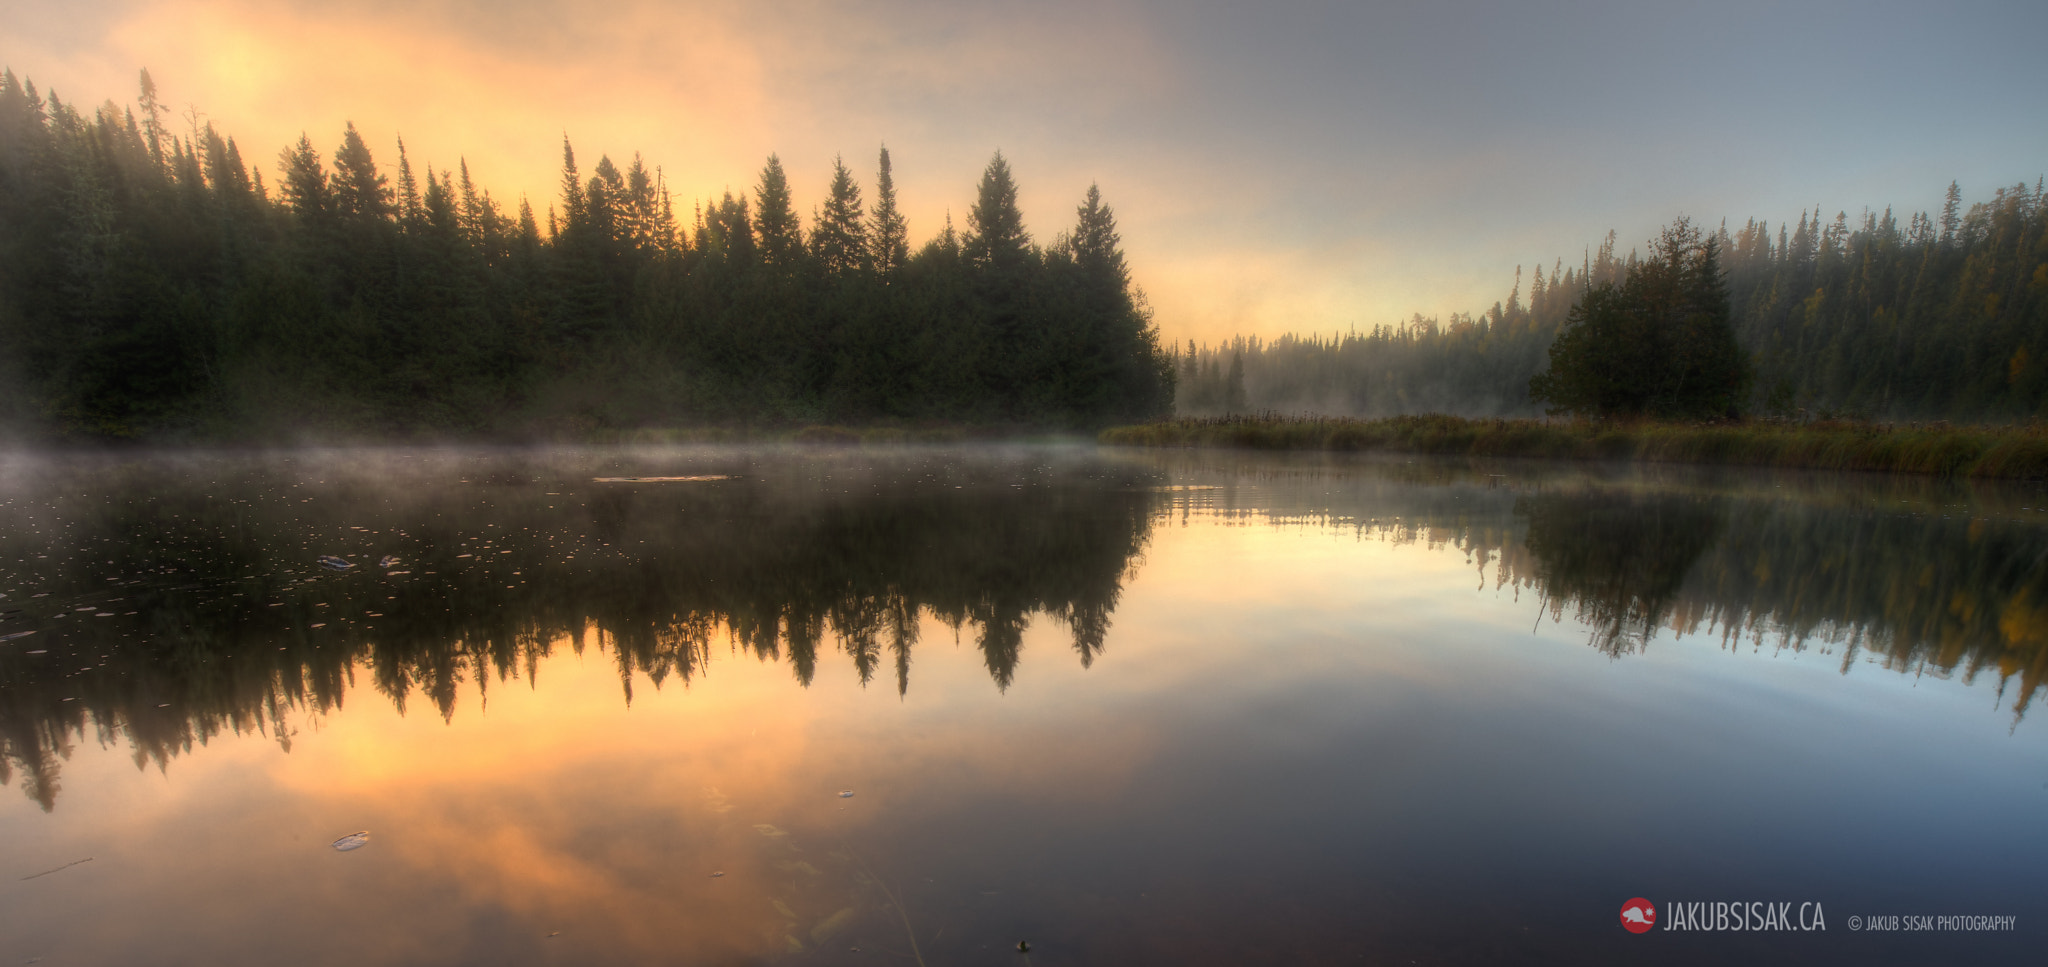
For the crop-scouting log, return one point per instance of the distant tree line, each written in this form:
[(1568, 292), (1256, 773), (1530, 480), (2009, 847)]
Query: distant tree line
[(1943, 317), (154, 284)]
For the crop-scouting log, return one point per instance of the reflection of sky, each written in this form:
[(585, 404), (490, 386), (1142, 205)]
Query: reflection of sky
[(1300, 166), (1295, 740)]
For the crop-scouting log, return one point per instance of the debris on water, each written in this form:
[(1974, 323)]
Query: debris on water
[(352, 841), (552, 934), (333, 563), (717, 873), (58, 869), (40, 651), (695, 479), (1023, 946), (387, 561), (846, 794), (14, 635)]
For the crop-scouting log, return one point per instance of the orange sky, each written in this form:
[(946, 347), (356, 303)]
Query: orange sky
[(1305, 166)]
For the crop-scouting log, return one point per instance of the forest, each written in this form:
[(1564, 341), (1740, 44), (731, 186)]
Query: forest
[(1942, 317), (154, 285)]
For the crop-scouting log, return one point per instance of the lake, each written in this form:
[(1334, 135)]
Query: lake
[(765, 706)]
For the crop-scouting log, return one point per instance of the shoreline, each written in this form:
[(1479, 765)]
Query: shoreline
[(1935, 449)]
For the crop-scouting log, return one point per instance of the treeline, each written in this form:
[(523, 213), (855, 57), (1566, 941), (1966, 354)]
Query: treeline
[(1941, 317), (154, 284)]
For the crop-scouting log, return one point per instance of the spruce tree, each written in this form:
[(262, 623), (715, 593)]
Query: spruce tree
[(996, 240), (304, 181), (839, 237), (359, 190), (888, 235), (775, 219), (409, 211)]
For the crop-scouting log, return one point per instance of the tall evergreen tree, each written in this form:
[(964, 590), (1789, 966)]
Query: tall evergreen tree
[(775, 219), (888, 234), (359, 190), (409, 211), (839, 235), (996, 240), (303, 183)]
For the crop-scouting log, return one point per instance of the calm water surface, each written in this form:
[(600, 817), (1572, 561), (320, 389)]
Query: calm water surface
[(1131, 708)]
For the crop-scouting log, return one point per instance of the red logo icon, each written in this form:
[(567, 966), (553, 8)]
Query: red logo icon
[(1638, 915)]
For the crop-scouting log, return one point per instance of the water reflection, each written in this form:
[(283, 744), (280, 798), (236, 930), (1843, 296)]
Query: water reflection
[(158, 603), (1621, 558), (170, 601), (1921, 576)]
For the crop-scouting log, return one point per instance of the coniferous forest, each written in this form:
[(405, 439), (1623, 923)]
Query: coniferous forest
[(154, 283), (1941, 317)]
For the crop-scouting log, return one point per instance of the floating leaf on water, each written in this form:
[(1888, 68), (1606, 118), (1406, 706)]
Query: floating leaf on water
[(846, 794), (333, 563), (356, 840)]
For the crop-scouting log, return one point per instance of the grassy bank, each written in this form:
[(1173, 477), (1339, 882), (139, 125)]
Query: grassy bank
[(1938, 448)]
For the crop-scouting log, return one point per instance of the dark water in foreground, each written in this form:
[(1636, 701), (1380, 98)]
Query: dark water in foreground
[(1133, 709)]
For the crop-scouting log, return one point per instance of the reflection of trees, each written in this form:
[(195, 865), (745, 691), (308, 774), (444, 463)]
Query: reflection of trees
[(1914, 589), (789, 563), (1618, 558), (1917, 575)]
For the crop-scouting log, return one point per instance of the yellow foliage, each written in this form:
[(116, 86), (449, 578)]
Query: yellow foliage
[(2023, 623)]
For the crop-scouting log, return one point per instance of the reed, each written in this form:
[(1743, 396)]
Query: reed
[(2006, 452)]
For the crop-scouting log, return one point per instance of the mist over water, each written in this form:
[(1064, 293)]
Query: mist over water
[(1179, 707)]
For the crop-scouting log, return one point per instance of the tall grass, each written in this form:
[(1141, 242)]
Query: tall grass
[(2019, 452)]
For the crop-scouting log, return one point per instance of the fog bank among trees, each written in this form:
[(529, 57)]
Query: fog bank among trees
[(1938, 317)]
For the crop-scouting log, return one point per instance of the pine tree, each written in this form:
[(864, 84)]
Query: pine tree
[(1095, 245), (152, 118), (1951, 214), (775, 219), (572, 190), (839, 236), (996, 241), (359, 190), (304, 181), (409, 211), (888, 236)]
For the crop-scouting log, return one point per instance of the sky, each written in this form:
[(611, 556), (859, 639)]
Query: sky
[(1275, 167)]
